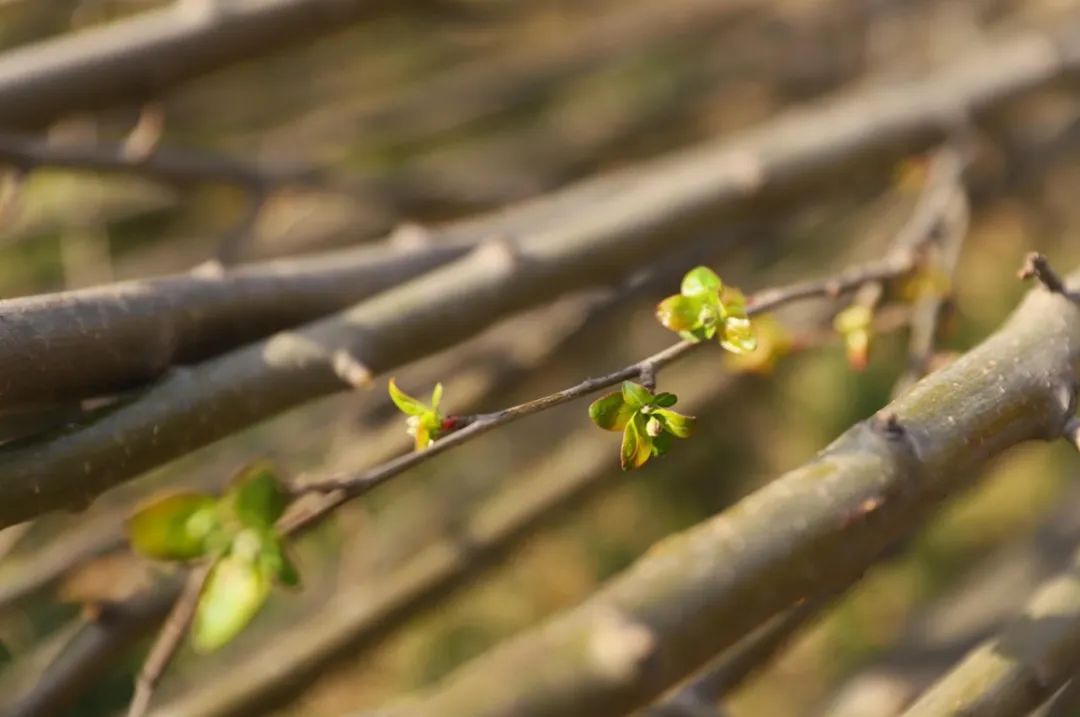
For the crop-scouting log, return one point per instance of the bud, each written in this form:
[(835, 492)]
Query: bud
[(653, 427)]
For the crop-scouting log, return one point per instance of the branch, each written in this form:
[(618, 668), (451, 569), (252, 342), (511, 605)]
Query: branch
[(354, 484), (136, 59), (1037, 267), (729, 670), (169, 639), (176, 167), (615, 224), (1012, 674), (115, 630), (952, 227), (129, 333), (963, 615), (700, 591)]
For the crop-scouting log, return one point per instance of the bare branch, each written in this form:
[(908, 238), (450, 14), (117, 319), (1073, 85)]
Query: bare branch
[(1012, 674), (729, 670), (1036, 266), (115, 630), (128, 333), (169, 639), (170, 165), (944, 254), (136, 59), (814, 529)]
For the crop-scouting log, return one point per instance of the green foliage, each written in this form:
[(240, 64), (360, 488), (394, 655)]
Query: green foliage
[(425, 422), (237, 533), (256, 496), (177, 527), (705, 309), (645, 419), (235, 590)]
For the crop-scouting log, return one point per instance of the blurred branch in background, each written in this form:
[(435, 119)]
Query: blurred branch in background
[(939, 634), (138, 58)]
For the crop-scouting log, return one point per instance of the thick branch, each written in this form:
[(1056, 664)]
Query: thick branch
[(126, 334), (137, 59), (108, 636), (631, 219), (814, 529), (1023, 666)]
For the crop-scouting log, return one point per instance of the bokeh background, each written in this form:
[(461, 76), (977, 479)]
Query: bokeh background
[(445, 110)]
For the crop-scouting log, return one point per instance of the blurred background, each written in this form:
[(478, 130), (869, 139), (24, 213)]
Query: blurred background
[(427, 113)]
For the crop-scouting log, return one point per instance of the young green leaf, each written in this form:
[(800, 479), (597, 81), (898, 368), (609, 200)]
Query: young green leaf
[(699, 281), (665, 400), (256, 496), (436, 397), (679, 313), (636, 395), (409, 406), (738, 336), (676, 424), (276, 563), (611, 412), (235, 590), (636, 444), (176, 527)]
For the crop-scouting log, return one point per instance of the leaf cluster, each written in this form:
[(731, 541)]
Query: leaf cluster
[(237, 532)]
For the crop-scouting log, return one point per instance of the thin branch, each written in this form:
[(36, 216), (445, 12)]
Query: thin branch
[(356, 484), (817, 528), (169, 639), (173, 166), (952, 228), (1036, 266)]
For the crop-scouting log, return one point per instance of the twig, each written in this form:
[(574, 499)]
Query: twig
[(357, 483), (1036, 266), (952, 229), (169, 639)]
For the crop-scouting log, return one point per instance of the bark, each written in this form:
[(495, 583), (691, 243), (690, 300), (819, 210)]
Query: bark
[(814, 529), (1012, 674), (137, 59), (605, 228), (129, 333)]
